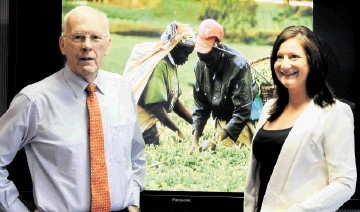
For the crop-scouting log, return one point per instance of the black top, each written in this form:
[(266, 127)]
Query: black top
[(267, 145)]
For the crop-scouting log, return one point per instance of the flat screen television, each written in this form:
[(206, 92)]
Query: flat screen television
[(176, 181)]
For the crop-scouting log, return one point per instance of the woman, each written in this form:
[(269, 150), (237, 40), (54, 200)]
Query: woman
[(302, 156)]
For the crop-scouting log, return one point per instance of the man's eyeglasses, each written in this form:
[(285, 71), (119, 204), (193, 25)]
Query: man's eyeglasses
[(80, 38)]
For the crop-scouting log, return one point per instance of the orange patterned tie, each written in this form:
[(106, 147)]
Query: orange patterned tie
[(100, 193)]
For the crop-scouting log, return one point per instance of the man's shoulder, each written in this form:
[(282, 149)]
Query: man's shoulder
[(115, 79), (162, 67), (240, 62), (235, 55), (113, 76), (43, 84), (163, 63)]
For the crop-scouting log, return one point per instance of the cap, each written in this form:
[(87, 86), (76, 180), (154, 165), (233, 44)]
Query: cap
[(209, 31)]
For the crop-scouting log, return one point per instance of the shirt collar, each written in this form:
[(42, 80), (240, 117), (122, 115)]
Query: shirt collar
[(100, 81), (171, 59), (78, 84)]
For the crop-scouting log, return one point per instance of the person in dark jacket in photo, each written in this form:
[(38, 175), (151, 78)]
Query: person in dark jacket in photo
[(224, 88)]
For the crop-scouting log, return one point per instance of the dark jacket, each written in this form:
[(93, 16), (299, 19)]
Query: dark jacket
[(226, 93)]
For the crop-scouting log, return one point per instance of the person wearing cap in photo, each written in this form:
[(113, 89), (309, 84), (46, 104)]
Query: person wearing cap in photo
[(153, 69), (224, 88)]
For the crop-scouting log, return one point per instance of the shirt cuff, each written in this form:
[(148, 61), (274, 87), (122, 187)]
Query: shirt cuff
[(17, 206), (136, 194)]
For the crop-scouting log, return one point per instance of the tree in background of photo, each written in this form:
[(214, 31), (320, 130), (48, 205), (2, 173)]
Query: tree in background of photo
[(232, 14)]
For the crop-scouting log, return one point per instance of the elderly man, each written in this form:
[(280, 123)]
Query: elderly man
[(79, 128)]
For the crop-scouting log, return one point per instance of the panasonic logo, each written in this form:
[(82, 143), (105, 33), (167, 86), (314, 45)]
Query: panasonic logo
[(180, 200)]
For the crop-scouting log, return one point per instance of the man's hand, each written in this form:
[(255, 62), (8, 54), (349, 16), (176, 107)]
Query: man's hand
[(194, 145), (220, 135), (208, 145), (180, 134), (133, 208)]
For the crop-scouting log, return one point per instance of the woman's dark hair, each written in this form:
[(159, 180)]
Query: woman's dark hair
[(316, 85)]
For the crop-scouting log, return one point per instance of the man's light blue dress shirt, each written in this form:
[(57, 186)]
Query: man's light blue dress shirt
[(50, 120)]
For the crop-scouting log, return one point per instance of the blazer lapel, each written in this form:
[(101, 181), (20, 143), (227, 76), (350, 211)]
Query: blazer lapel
[(290, 148)]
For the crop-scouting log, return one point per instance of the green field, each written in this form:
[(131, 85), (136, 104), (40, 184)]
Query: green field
[(169, 166)]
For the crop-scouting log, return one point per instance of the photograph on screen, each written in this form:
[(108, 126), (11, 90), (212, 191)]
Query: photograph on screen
[(251, 27)]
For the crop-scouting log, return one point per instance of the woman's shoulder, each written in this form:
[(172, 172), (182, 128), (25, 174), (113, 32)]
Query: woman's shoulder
[(339, 109), (338, 106), (349, 103)]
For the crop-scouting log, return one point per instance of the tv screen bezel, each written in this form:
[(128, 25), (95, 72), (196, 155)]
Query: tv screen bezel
[(177, 200)]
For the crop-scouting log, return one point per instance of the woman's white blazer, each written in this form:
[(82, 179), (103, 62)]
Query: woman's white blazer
[(316, 168)]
